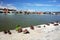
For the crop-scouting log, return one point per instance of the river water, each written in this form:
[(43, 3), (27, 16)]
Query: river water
[(10, 21)]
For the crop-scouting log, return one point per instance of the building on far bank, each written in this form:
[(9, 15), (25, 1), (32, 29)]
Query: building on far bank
[(56, 13), (7, 10)]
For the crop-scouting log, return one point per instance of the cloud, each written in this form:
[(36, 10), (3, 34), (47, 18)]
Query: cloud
[(37, 4), (52, 1), (28, 4), (1, 2), (58, 5), (2, 6), (31, 10), (9, 6), (42, 5)]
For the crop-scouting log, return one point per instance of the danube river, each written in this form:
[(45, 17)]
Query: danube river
[(10, 21)]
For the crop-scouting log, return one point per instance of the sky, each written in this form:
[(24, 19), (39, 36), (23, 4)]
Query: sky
[(32, 5)]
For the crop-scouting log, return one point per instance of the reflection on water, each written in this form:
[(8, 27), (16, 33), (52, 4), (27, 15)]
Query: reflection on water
[(9, 21)]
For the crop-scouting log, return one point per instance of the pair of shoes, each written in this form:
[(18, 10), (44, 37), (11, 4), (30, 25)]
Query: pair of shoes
[(20, 30), (7, 31), (26, 31), (31, 27)]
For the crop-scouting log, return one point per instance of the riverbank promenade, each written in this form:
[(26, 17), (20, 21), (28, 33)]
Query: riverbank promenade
[(50, 31)]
